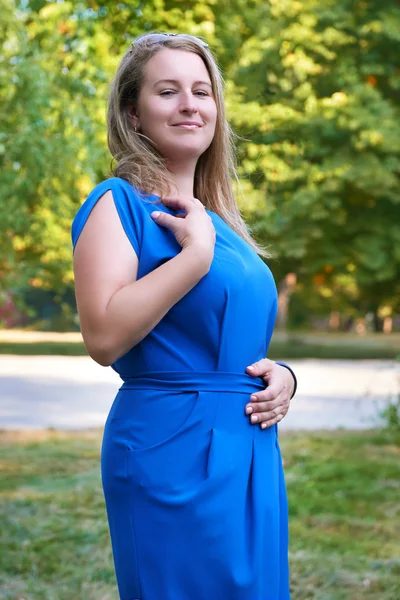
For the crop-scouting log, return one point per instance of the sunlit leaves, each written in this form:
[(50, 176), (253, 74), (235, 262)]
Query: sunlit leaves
[(322, 80), (312, 90)]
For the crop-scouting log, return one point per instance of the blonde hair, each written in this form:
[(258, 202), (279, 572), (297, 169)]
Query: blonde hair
[(139, 162)]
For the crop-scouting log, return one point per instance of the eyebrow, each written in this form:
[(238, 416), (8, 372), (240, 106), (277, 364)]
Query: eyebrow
[(175, 81)]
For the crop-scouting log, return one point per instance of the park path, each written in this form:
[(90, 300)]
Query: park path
[(75, 392)]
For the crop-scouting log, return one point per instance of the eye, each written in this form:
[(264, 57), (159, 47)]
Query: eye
[(201, 93), (167, 93)]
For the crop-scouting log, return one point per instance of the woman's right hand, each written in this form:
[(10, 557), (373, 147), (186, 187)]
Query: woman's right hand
[(194, 229)]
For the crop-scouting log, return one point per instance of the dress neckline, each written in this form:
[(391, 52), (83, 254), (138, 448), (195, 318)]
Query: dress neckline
[(159, 198)]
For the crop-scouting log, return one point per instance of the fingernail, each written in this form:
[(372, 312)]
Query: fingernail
[(155, 214), (251, 368), (254, 418), (249, 410), (263, 425), (253, 398)]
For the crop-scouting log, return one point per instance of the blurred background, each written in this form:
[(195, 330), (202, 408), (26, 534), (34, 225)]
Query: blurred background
[(313, 94)]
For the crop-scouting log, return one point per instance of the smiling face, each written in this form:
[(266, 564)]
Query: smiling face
[(176, 107)]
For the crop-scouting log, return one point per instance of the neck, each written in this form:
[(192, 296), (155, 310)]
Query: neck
[(183, 177)]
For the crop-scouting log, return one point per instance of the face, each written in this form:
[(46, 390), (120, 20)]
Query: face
[(176, 107)]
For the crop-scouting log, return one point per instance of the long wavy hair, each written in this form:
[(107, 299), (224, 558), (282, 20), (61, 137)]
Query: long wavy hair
[(139, 162)]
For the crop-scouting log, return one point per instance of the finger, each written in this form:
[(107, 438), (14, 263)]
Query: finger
[(269, 410), (269, 394), (271, 422), (267, 416), (199, 203), (165, 220), (277, 415), (257, 407), (261, 368)]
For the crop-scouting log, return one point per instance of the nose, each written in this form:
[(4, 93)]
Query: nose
[(188, 104)]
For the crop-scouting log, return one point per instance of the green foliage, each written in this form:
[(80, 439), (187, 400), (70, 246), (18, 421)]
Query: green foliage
[(312, 89), (57, 63), (391, 414), (315, 95), (53, 143)]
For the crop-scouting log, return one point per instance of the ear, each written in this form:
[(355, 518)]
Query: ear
[(133, 116)]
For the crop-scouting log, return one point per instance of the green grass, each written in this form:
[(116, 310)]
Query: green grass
[(343, 491), (293, 345), (43, 348), (298, 346)]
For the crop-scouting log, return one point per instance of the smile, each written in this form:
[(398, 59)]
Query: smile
[(187, 126)]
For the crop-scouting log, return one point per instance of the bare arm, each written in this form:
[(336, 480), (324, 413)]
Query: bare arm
[(115, 310)]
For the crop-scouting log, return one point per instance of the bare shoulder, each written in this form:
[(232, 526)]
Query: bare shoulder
[(104, 261)]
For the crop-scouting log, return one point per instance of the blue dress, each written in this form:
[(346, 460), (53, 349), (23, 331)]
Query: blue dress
[(195, 494)]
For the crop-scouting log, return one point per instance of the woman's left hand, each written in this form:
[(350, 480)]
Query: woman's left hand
[(269, 406)]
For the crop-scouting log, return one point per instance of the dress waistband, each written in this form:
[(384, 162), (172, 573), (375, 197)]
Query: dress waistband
[(212, 381)]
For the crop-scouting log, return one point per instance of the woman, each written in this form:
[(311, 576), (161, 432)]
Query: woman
[(179, 303)]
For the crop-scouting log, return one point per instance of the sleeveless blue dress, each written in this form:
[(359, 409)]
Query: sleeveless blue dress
[(195, 494)]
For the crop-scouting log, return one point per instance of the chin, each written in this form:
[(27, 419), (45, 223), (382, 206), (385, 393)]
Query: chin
[(185, 151)]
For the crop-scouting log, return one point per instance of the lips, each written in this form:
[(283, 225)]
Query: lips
[(188, 123)]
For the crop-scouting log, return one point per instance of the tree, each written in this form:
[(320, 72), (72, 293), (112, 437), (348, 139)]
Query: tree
[(56, 68), (316, 95), (312, 90)]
